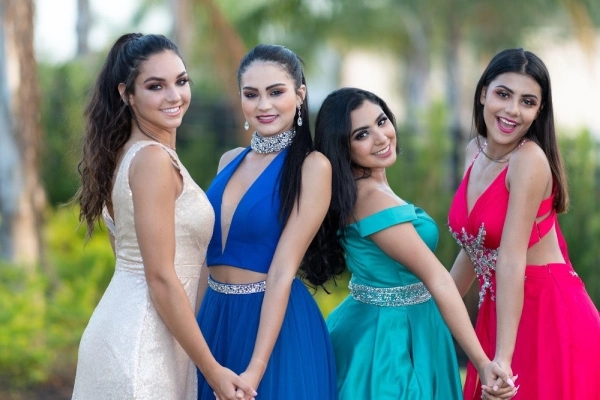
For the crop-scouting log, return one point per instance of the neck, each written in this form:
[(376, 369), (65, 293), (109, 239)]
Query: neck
[(161, 136), (377, 175)]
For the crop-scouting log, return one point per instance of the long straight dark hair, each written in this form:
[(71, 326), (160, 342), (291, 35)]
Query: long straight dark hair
[(542, 129), (332, 138), (108, 120), (291, 174)]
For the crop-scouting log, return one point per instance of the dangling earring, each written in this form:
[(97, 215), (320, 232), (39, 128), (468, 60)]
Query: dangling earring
[(246, 125), (299, 117)]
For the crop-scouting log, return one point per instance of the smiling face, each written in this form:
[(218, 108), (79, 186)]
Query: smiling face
[(161, 92), (270, 100), (373, 137), (511, 103)]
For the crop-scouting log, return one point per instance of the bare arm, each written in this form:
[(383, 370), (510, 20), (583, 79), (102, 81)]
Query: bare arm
[(155, 185), (301, 227), (529, 178), (412, 252), (463, 273)]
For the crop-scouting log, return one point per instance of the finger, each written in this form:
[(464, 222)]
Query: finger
[(242, 385)]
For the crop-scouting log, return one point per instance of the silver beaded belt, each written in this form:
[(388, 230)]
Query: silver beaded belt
[(407, 295), (245, 288)]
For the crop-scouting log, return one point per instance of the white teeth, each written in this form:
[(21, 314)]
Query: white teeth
[(507, 122), (382, 151), (171, 110)]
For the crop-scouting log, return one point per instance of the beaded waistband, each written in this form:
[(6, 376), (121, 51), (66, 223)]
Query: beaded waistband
[(407, 295), (245, 288)]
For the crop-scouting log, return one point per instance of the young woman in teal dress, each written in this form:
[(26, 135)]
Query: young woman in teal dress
[(392, 334)]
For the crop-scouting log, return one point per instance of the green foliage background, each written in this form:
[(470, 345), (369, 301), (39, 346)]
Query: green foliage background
[(43, 313)]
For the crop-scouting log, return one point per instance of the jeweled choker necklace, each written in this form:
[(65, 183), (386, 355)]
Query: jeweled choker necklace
[(272, 144)]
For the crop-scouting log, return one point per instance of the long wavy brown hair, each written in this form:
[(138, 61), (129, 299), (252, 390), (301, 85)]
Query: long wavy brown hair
[(109, 119)]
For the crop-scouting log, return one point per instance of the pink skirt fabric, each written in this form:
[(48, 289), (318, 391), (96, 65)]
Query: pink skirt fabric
[(557, 352)]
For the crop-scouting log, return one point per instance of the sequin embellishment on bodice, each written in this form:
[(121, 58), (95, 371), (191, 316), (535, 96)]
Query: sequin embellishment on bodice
[(483, 259)]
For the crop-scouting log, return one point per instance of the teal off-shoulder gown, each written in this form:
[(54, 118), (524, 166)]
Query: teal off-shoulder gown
[(391, 352)]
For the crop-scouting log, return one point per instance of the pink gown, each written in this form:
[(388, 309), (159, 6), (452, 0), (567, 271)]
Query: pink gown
[(557, 351)]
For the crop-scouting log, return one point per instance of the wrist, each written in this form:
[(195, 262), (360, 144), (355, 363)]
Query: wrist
[(258, 365), (503, 360), (208, 368), (481, 362)]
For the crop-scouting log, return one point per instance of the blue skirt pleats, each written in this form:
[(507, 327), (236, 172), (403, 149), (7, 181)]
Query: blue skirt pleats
[(302, 365)]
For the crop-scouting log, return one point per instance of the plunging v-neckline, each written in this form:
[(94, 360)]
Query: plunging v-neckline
[(487, 189), (234, 166)]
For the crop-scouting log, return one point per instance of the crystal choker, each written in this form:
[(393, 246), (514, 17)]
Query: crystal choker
[(272, 144)]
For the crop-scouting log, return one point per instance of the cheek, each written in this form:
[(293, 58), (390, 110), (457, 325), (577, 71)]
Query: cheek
[(358, 149)]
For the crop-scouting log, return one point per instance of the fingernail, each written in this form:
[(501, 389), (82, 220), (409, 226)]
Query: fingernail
[(515, 377), (510, 382), (254, 393), (495, 387)]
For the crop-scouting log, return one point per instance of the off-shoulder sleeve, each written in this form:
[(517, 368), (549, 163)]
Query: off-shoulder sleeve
[(110, 224), (386, 218)]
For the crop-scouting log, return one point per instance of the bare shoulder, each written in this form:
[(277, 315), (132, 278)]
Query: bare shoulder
[(372, 199), (151, 158), (228, 156), (529, 169), (316, 164), (530, 158)]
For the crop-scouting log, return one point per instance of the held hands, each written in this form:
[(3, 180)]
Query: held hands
[(228, 386), (497, 381), (253, 374)]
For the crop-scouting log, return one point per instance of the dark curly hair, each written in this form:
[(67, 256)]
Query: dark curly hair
[(108, 120), (332, 138)]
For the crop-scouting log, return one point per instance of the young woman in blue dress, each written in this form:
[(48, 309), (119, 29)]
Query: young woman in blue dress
[(270, 199), (391, 335)]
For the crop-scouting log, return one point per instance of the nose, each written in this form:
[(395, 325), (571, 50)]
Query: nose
[(173, 94), (379, 136), (512, 107), (264, 103)]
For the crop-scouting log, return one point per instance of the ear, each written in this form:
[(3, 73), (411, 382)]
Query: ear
[(482, 95), (301, 95), (121, 89)]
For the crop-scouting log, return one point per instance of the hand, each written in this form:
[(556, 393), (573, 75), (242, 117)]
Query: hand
[(253, 374), (228, 386), (497, 381)]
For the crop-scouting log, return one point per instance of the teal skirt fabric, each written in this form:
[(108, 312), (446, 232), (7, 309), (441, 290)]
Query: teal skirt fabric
[(387, 353)]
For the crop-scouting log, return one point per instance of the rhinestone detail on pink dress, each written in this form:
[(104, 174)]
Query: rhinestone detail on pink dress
[(483, 259)]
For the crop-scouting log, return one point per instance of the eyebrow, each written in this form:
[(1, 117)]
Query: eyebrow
[(366, 127), (268, 87), (512, 92), (155, 78)]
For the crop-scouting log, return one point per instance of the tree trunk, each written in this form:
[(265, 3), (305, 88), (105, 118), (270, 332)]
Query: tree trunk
[(22, 197), (454, 101), (83, 27), (228, 49), (182, 31)]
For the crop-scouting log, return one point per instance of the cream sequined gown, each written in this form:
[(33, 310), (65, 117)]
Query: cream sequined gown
[(126, 351)]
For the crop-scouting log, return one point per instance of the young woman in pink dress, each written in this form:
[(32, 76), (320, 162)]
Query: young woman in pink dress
[(534, 313)]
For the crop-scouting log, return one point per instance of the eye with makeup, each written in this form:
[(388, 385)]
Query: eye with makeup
[(361, 135), (184, 81), (382, 120), (249, 95), (529, 102)]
